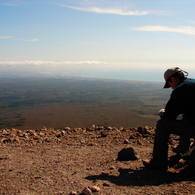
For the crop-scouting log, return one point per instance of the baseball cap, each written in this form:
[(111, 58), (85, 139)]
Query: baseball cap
[(170, 72)]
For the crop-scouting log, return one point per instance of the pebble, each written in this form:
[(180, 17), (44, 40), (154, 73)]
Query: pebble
[(126, 141), (181, 163), (87, 191), (73, 193), (94, 188), (112, 167), (106, 184)]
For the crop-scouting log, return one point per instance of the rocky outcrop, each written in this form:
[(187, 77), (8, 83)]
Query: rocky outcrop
[(45, 134)]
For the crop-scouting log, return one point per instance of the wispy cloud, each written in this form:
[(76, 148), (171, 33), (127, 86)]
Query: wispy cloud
[(11, 3), (99, 65), (5, 37), (28, 40), (181, 29), (113, 10), (49, 63)]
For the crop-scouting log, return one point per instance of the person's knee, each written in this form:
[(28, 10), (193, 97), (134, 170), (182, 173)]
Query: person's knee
[(161, 126), (159, 123)]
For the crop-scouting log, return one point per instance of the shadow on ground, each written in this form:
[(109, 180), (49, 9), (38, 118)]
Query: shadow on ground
[(144, 177)]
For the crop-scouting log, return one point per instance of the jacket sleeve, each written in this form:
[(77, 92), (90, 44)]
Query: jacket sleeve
[(174, 106)]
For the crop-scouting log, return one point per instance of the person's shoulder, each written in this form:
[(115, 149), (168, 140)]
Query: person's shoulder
[(189, 79), (188, 83)]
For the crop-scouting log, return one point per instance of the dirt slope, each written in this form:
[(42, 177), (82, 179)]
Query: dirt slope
[(65, 161)]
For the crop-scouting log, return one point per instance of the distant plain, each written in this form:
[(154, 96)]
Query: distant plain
[(79, 102)]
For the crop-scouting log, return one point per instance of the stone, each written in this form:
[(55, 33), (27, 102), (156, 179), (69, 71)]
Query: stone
[(7, 140), (143, 130), (126, 141), (104, 133), (106, 184), (67, 128), (127, 154), (112, 167), (94, 188), (87, 191), (181, 163), (73, 193)]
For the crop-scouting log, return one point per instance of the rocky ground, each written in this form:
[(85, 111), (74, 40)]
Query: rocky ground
[(85, 161)]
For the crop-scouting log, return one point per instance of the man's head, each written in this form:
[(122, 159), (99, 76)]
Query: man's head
[(173, 77)]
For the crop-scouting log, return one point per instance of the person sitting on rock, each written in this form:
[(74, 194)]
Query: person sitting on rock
[(181, 102)]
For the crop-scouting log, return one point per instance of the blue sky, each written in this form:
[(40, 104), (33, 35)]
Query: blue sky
[(135, 39)]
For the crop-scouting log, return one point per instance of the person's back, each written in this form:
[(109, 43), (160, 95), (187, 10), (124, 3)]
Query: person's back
[(188, 88), (182, 101)]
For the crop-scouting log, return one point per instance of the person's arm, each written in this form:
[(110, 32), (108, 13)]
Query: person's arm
[(174, 106)]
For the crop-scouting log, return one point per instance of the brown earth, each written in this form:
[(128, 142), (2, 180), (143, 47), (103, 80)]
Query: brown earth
[(67, 161)]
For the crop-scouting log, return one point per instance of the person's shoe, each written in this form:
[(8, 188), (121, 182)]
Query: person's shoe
[(180, 150), (174, 160), (151, 164)]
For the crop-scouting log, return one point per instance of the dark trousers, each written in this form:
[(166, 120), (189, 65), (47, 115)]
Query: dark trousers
[(163, 130)]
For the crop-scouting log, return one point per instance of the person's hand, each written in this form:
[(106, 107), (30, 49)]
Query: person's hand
[(161, 112)]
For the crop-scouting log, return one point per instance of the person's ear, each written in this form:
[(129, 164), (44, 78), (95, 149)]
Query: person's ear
[(172, 79)]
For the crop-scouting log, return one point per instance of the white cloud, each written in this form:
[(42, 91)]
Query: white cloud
[(181, 29), (109, 10), (5, 37), (29, 40), (76, 64), (48, 63), (89, 65), (14, 3), (7, 4), (193, 22)]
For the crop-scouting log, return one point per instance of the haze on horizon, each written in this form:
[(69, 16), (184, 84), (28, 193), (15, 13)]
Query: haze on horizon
[(126, 39)]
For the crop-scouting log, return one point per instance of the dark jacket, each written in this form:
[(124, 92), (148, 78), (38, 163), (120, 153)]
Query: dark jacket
[(182, 101)]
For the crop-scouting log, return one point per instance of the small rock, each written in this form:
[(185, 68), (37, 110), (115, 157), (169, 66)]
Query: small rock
[(139, 142), (181, 163), (126, 141), (16, 140), (44, 128), (92, 144), (94, 188), (143, 130), (87, 191), (73, 193), (7, 140), (100, 128), (106, 184), (127, 154), (5, 132), (104, 133), (67, 128), (109, 128), (132, 137)]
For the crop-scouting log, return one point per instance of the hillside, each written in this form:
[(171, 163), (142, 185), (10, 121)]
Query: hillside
[(74, 160)]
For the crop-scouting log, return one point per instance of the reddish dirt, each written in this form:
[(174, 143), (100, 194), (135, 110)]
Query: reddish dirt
[(65, 161)]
